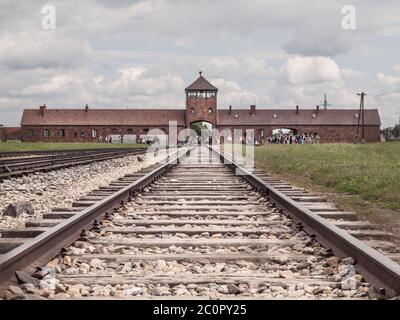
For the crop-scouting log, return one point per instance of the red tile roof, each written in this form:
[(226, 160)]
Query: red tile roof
[(286, 117), (201, 83), (161, 117), (103, 117)]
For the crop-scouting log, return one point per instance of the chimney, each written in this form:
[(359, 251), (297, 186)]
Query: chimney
[(230, 109), (297, 109), (41, 110), (253, 109), (86, 108), (317, 108)]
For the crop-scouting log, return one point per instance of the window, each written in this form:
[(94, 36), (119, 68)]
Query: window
[(46, 133), (275, 115), (61, 133), (94, 133), (82, 134), (130, 131), (356, 115), (261, 131), (146, 131), (30, 133), (114, 130), (75, 134), (192, 110), (209, 110)]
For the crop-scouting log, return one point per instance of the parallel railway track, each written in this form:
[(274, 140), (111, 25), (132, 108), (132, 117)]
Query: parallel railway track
[(20, 166), (20, 154), (189, 229)]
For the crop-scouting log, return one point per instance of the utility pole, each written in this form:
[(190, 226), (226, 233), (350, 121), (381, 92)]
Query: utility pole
[(361, 117), (325, 102)]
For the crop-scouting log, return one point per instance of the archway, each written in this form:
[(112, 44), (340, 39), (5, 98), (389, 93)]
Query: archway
[(202, 130)]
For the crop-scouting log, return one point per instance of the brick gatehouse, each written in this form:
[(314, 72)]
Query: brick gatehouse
[(87, 124)]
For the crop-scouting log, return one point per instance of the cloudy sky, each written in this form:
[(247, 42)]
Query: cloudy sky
[(142, 54)]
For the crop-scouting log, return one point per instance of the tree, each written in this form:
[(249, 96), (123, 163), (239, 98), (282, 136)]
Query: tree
[(198, 126), (392, 132)]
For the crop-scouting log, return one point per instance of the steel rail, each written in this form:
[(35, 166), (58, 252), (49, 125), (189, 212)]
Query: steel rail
[(59, 155), (37, 251), (7, 172), (380, 271), (5, 154), (27, 163)]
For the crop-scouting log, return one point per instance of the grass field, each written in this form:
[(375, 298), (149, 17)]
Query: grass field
[(40, 146), (371, 171), (364, 178)]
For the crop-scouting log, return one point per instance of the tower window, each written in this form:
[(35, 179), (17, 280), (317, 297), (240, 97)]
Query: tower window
[(192, 110), (209, 110)]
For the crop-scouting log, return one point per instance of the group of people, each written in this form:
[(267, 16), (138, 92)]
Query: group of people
[(140, 140), (290, 138)]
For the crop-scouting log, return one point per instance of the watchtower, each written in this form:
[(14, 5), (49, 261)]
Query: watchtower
[(201, 102)]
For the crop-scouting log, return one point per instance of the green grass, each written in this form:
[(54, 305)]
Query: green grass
[(371, 172), (48, 146)]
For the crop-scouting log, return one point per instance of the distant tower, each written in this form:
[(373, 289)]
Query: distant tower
[(201, 102), (326, 104)]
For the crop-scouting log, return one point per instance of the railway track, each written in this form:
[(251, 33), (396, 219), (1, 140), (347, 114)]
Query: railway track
[(193, 229), (20, 154), (20, 166)]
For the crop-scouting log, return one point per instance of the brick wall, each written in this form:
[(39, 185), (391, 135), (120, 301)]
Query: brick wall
[(82, 133), (327, 133), (198, 110)]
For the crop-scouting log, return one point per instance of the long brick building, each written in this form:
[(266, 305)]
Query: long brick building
[(87, 124)]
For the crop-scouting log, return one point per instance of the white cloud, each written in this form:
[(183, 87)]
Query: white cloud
[(388, 81), (301, 70), (231, 93), (27, 50), (144, 53), (396, 67)]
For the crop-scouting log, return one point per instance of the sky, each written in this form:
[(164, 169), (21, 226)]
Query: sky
[(142, 54)]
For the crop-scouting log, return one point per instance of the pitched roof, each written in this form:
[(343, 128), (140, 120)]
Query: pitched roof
[(201, 83), (161, 117), (103, 117), (287, 118)]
